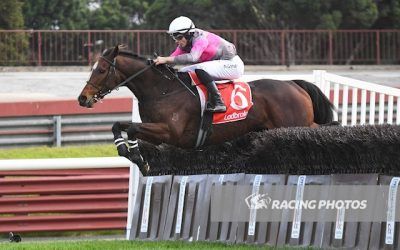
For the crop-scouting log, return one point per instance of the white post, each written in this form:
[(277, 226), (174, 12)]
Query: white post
[(135, 110), (134, 175), (336, 100), (372, 108), (363, 106), (327, 87), (381, 108), (319, 79), (398, 111), (57, 130), (354, 105), (390, 110), (345, 104)]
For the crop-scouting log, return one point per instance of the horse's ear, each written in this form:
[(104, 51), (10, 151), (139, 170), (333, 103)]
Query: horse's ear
[(150, 61), (116, 50)]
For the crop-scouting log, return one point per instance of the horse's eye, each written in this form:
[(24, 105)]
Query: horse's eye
[(101, 71)]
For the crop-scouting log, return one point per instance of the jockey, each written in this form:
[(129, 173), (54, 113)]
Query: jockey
[(212, 58)]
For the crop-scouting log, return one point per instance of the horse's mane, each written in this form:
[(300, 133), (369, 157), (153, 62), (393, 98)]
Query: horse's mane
[(131, 54), (122, 50)]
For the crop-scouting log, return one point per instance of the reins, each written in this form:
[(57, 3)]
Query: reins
[(130, 78)]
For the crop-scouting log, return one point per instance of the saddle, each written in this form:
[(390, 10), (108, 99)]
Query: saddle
[(237, 98), (236, 95)]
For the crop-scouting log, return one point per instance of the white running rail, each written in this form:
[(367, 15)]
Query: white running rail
[(372, 95)]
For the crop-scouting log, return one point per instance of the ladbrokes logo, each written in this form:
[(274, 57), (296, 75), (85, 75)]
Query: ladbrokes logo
[(235, 115), (258, 201), (264, 201)]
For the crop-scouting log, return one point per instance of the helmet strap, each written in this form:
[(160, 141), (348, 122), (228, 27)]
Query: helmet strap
[(189, 39), (188, 36)]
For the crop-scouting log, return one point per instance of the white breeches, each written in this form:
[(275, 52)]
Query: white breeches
[(220, 69)]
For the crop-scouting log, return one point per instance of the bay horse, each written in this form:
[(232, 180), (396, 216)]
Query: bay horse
[(171, 114)]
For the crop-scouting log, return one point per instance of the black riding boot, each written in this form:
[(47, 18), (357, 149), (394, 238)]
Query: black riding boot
[(215, 103)]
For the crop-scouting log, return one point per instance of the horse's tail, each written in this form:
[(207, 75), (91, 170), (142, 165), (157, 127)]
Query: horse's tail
[(323, 108)]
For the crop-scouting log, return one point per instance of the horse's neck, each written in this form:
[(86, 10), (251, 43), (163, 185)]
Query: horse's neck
[(151, 85), (139, 86)]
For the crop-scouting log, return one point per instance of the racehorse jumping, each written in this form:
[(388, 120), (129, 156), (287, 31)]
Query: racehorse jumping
[(171, 114)]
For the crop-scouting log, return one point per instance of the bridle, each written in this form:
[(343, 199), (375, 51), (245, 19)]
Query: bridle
[(112, 68), (105, 90)]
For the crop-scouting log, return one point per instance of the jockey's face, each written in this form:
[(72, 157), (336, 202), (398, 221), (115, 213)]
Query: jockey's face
[(182, 42)]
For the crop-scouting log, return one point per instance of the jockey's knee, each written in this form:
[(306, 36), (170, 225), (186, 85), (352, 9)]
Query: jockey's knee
[(203, 76)]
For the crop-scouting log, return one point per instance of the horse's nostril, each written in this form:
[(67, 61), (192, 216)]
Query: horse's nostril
[(82, 99)]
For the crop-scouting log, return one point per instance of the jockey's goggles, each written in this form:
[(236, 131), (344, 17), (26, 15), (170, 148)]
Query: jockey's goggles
[(177, 36)]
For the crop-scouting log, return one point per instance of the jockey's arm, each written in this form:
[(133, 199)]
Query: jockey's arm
[(163, 60), (169, 59), (195, 53), (180, 57)]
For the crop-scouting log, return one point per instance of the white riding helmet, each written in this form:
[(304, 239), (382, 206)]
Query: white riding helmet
[(181, 25)]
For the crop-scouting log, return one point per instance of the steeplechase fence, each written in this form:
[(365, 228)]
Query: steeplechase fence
[(268, 47)]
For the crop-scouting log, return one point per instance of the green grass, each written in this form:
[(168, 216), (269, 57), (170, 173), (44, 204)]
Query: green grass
[(102, 150), (121, 244)]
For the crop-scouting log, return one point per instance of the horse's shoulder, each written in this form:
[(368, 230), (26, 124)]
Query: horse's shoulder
[(184, 76)]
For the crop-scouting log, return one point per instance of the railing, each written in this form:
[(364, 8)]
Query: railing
[(60, 122), (356, 99), (65, 194), (271, 47)]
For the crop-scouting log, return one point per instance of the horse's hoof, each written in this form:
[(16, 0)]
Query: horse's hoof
[(14, 237), (142, 164), (146, 167)]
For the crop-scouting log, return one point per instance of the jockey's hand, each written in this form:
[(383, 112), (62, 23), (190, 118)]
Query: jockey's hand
[(163, 60)]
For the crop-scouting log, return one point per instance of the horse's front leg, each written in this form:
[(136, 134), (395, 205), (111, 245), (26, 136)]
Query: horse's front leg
[(131, 152), (119, 141), (155, 133)]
